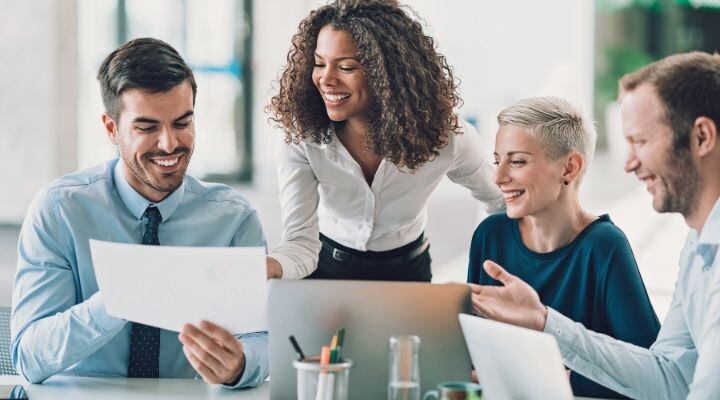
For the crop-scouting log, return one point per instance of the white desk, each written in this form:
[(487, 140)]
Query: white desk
[(81, 388)]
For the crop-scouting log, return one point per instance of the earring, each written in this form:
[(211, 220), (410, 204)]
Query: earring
[(566, 183)]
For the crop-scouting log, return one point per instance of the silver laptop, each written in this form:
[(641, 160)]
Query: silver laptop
[(370, 312), (515, 363)]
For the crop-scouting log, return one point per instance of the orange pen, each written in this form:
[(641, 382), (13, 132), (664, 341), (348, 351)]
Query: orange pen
[(324, 388), (325, 355)]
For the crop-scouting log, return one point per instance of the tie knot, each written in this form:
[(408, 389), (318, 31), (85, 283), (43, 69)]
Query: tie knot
[(153, 215), (151, 229)]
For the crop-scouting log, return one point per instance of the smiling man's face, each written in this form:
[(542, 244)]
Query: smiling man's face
[(669, 174), (155, 135)]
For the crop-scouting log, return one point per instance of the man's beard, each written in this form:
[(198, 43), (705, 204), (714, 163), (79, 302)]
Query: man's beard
[(163, 184), (681, 182)]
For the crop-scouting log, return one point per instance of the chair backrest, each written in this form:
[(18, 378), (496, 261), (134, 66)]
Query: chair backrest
[(6, 367)]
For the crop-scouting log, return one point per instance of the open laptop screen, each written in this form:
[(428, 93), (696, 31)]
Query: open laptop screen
[(514, 362)]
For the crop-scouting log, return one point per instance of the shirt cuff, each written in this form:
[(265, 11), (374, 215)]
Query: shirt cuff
[(559, 326), (104, 321), (255, 348), (289, 271)]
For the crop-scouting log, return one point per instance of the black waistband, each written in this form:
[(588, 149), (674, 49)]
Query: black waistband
[(398, 255)]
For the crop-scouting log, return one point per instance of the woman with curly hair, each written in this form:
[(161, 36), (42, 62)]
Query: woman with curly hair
[(367, 106)]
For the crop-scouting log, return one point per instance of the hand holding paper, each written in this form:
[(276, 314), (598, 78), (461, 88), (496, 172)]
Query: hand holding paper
[(213, 352)]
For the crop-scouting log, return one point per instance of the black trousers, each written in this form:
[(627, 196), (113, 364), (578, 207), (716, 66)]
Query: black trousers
[(373, 266)]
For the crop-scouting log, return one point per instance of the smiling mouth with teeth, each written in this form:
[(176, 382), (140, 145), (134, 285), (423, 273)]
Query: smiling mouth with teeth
[(167, 163), (334, 98), (513, 195)]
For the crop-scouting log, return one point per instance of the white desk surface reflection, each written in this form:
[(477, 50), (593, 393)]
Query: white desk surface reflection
[(81, 388)]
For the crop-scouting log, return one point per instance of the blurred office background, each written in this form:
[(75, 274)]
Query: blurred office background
[(502, 51)]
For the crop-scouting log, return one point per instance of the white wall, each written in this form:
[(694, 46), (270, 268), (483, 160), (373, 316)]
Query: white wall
[(275, 23), (38, 91), (504, 51)]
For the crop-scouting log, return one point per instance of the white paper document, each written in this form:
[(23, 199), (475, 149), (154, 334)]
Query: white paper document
[(166, 286)]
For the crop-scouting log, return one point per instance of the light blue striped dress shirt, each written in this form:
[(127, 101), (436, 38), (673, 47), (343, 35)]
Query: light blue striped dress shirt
[(684, 361), (59, 323)]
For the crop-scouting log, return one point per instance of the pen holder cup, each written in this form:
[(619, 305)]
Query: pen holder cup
[(322, 382)]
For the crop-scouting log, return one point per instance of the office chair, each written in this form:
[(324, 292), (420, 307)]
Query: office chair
[(6, 367)]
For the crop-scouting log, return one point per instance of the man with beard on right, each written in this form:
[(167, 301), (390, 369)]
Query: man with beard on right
[(670, 119)]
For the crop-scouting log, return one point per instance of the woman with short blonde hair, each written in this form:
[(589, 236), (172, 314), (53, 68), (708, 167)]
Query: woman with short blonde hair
[(579, 263)]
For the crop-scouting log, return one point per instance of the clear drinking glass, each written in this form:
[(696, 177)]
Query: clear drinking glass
[(404, 383)]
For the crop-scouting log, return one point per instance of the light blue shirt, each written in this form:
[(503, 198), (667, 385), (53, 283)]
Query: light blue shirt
[(59, 323), (684, 361)]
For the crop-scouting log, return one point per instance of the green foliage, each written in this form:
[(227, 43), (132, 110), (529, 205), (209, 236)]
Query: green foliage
[(619, 60), (607, 6)]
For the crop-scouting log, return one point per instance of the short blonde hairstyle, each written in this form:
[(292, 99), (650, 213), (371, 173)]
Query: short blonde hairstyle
[(555, 123)]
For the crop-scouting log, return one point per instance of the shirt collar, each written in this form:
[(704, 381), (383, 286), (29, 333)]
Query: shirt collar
[(136, 203), (710, 233)]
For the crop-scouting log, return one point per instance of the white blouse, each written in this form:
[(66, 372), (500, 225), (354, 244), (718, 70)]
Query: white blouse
[(322, 189)]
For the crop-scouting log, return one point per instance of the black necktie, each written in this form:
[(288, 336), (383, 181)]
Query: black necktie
[(144, 360)]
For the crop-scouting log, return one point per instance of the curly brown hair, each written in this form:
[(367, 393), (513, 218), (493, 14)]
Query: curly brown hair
[(413, 90)]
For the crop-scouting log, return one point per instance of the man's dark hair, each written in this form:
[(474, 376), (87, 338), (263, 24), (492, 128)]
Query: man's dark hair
[(688, 85), (146, 63)]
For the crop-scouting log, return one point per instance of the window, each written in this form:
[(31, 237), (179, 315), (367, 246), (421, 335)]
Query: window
[(214, 39)]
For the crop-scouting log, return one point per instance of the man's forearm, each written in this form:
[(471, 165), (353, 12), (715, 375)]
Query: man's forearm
[(51, 344), (630, 370)]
